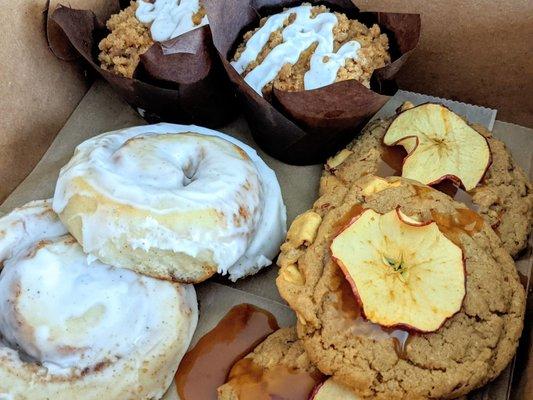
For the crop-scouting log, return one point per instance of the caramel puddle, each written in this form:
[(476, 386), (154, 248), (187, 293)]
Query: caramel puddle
[(252, 382), (353, 321), (206, 366)]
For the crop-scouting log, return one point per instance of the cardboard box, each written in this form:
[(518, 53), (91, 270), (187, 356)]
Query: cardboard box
[(476, 51), (39, 92)]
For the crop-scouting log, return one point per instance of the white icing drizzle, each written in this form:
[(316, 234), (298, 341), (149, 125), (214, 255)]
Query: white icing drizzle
[(297, 37), (161, 169), (71, 313), (168, 19)]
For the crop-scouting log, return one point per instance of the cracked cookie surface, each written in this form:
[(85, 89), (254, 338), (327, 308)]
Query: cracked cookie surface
[(471, 348), (504, 197)]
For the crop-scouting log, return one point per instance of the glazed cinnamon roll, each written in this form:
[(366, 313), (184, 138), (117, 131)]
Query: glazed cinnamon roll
[(173, 202), (72, 327)]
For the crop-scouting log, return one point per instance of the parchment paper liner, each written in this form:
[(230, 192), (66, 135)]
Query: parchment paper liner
[(179, 80), (305, 127)]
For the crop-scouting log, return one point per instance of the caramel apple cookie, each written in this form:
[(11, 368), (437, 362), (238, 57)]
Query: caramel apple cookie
[(400, 291), (432, 145)]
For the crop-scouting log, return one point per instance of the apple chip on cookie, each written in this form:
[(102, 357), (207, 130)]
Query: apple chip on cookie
[(402, 272), (431, 144), (440, 145)]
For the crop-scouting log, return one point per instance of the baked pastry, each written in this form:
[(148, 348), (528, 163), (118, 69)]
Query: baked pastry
[(278, 363), (374, 273), (503, 196), (74, 328), (308, 47), (173, 202), (134, 30)]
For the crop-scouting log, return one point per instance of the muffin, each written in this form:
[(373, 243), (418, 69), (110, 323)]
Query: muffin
[(308, 47), (499, 191), (133, 31), (400, 291)]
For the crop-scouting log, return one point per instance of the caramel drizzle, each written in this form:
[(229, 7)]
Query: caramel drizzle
[(391, 164), (347, 218), (453, 225), (462, 221), (206, 366), (253, 382)]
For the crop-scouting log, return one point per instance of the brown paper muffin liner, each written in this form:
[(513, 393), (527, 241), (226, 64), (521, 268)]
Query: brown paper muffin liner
[(179, 80), (305, 127)]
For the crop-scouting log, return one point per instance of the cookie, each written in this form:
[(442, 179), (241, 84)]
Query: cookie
[(504, 197), (278, 363), (471, 347)]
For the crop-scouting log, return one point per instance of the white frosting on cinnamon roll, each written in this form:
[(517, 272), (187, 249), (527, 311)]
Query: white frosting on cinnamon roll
[(72, 327), (172, 201)]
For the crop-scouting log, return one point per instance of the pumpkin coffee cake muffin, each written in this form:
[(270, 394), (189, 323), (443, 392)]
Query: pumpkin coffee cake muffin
[(134, 30), (308, 47)]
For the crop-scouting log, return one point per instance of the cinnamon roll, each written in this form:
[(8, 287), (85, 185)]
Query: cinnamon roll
[(72, 327), (173, 202)]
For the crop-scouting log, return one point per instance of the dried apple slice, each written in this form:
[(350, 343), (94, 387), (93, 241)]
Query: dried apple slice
[(440, 145), (404, 273), (331, 390)]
